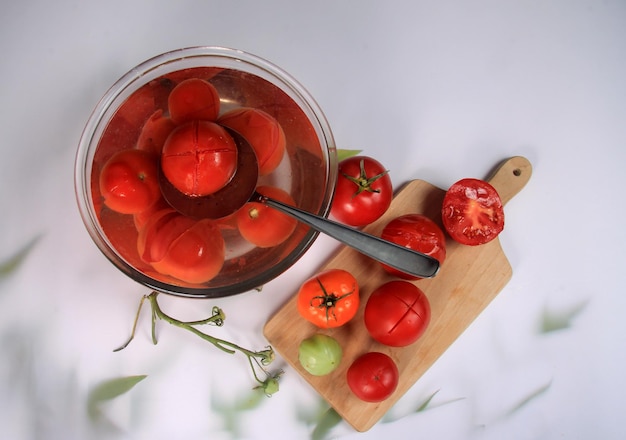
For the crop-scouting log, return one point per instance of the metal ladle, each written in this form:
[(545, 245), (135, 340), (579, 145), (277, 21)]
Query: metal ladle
[(242, 189)]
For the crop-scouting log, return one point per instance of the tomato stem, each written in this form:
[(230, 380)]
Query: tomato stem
[(328, 300), (363, 182), (258, 359)]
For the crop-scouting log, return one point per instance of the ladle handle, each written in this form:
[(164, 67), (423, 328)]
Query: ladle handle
[(399, 257)]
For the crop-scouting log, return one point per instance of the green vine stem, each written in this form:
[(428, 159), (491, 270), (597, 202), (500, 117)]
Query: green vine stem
[(258, 359)]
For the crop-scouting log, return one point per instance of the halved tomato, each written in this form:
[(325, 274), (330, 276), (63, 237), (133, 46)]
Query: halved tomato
[(472, 212)]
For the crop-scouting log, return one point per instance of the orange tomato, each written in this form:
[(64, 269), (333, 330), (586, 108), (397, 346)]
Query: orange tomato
[(329, 299)]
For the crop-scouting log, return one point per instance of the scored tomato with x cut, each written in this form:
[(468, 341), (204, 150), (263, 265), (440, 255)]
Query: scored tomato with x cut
[(397, 313), (472, 212), (329, 299)]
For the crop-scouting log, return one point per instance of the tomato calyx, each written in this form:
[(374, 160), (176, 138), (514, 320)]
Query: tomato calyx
[(364, 183), (327, 301)]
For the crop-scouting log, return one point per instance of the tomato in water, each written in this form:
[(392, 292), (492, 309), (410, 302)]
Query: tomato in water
[(193, 99), (263, 133), (397, 313), (417, 232), (472, 212), (199, 158), (329, 299), (373, 377), (129, 181), (154, 133), (264, 226), (363, 192), (184, 248)]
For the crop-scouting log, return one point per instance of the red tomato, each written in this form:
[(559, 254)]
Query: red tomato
[(363, 192), (154, 132), (187, 249), (373, 377), (199, 158), (264, 226), (397, 313), (472, 212), (329, 299), (129, 181), (262, 131), (417, 232), (193, 99)]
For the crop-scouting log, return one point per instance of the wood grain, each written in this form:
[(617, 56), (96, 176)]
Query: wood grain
[(467, 282)]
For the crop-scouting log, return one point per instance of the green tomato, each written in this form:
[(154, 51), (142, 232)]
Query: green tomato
[(319, 354)]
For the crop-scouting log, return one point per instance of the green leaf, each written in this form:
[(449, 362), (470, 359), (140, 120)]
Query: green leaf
[(426, 402), (554, 320), (12, 263), (532, 396), (326, 423), (109, 390), (344, 154)]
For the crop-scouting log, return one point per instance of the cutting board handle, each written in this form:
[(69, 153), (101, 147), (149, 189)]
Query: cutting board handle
[(510, 177)]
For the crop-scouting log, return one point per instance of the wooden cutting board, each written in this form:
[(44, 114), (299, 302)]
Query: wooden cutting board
[(469, 279)]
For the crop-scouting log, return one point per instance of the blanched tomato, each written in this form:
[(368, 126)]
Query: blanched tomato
[(373, 377), (264, 226), (187, 249), (263, 133), (193, 99), (129, 181), (472, 212), (329, 299), (417, 232), (154, 133), (199, 158), (319, 354), (397, 313), (363, 192)]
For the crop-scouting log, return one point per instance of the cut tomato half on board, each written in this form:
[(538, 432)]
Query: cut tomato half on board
[(472, 212)]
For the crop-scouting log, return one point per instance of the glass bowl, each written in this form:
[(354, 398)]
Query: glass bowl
[(307, 171)]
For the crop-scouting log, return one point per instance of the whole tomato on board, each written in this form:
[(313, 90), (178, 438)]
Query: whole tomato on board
[(397, 313), (129, 181), (472, 212), (373, 377), (329, 299), (417, 232), (319, 354), (363, 191), (264, 226)]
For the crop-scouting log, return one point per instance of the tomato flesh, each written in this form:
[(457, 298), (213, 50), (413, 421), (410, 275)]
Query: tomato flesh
[(417, 232), (329, 299), (373, 377), (397, 313), (199, 158), (472, 212)]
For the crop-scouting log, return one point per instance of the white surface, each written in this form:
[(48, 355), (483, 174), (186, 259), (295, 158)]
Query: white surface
[(436, 91)]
